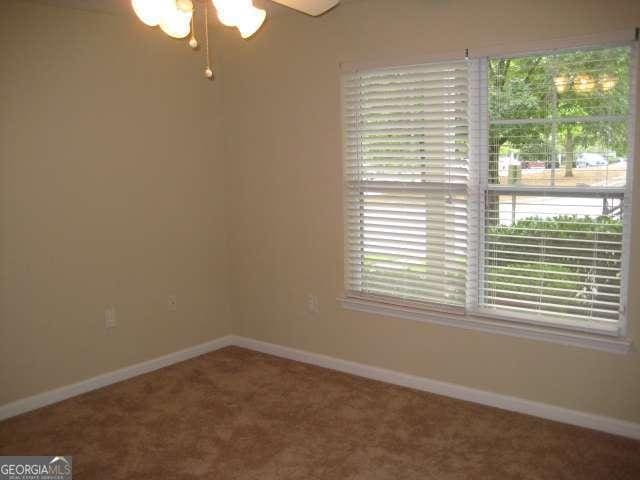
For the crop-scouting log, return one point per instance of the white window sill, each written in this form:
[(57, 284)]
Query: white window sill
[(504, 327)]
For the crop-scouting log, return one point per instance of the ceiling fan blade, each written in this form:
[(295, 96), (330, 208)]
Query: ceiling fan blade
[(310, 7)]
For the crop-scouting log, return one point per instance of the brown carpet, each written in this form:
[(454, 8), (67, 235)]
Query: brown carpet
[(237, 414)]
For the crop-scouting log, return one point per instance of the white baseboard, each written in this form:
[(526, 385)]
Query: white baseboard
[(68, 391), (515, 404), (537, 409)]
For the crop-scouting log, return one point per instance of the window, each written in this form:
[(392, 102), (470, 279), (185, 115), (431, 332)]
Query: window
[(556, 183), (406, 154), (493, 187)]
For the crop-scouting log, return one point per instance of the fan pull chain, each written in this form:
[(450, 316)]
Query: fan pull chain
[(207, 71), (193, 42)]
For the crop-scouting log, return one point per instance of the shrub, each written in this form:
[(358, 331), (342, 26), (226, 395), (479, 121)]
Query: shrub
[(514, 284), (562, 256)]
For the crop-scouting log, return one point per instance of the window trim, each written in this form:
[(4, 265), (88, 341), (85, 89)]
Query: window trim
[(491, 324), (513, 49), (627, 206), (478, 317)]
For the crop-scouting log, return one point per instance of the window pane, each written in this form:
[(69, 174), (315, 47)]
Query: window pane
[(521, 154), (519, 88), (557, 121), (588, 83), (406, 176), (409, 245), (554, 255), (571, 154), (560, 119), (570, 84)]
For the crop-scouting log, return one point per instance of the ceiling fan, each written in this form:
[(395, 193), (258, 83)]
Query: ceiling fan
[(175, 17), (310, 7)]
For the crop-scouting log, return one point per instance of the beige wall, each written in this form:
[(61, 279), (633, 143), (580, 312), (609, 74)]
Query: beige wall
[(125, 177), (111, 192), (283, 127)]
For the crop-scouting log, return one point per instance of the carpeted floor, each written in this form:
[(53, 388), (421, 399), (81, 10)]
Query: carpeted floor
[(237, 414)]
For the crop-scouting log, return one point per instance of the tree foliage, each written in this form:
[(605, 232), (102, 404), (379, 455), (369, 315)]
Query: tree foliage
[(571, 84)]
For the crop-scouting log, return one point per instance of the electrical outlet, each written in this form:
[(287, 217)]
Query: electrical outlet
[(313, 305), (172, 303), (110, 320)]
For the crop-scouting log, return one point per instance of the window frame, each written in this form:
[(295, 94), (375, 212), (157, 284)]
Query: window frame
[(476, 316), (620, 329), (428, 188)]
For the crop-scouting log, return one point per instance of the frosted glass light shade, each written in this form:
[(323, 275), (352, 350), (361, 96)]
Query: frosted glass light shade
[(177, 22), (151, 12), (251, 21), (175, 28), (231, 12)]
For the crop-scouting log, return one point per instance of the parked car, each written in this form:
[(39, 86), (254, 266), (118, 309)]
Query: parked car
[(533, 164), (585, 160), (541, 162)]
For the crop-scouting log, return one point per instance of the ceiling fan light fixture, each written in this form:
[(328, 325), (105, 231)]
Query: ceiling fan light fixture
[(231, 12), (177, 21), (175, 28), (310, 7), (251, 21), (185, 6), (152, 12)]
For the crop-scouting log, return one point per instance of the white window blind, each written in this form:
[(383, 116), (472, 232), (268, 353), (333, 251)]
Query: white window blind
[(406, 183), (496, 187), (556, 193)]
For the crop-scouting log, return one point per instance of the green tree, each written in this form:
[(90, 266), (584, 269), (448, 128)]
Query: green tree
[(557, 86)]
